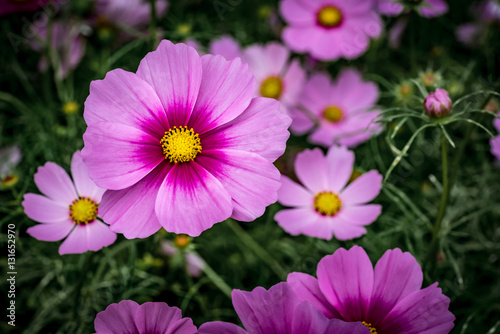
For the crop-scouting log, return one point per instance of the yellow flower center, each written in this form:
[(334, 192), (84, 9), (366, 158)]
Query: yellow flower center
[(180, 144), (332, 114), (272, 87), (329, 17), (405, 89), (9, 180), (181, 241), (70, 107), (327, 203), (372, 329), (83, 210)]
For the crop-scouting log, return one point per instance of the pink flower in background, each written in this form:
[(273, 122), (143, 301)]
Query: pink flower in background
[(278, 76), (278, 311), (426, 8), (324, 205), (225, 46), (68, 209), (485, 14), (10, 157), (13, 6), (330, 29), (387, 299), (182, 144), (131, 318), (194, 263), (67, 41), (495, 142), (338, 111)]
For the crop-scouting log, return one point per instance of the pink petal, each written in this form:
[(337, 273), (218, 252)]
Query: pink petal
[(92, 236), (54, 182), (433, 8), (195, 264), (161, 318), (84, 185), (124, 98), (362, 190), (306, 287), (330, 45), (295, 13), (397, 274), (300, 39), (346, 230), (360, 215), (340, 165), (346, 280), (301, 123), (51, 232), (251, 181), (117, 318), (293, 194), (312, 170), (305, 221), (266, 61), (131, 211), (220, 327), (389, 7), (174, 72), (226, 91), (317, 93), (118, 155), (44, 210), (293, 83), (225, 46), (324, 135), (247, 133), (191, 200)]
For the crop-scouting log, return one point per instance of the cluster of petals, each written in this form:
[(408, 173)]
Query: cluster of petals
[(426, 8), (232, 175), (52, 209), (320, 174), (330, 29), (388, 298), (350, 97)]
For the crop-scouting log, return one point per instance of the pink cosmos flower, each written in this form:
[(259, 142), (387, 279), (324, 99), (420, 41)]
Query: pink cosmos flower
[(225, 46), (340, 109), (68, 209), (438, 104), (194, 263), (387, 299), (10, 6), (330, 29), (324, 206), (131, 318), (277, 76), (426, 8), (181, 143), (495, 142), (278, 311)]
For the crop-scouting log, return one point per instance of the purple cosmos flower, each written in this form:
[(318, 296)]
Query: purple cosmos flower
[(277, 76), (324, 207), (68, 209), (225, 46), (67, 42), (426, 8), (10, 157), (387, 299), (495, 142), (278, 311), (330, 29), (182, 144), (340, 109), (13, 6), (128, 317), (438, 104)]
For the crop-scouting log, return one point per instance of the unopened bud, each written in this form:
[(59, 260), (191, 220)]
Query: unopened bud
[(438, 104)]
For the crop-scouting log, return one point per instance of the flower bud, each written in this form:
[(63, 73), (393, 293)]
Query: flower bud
[(438, 104)]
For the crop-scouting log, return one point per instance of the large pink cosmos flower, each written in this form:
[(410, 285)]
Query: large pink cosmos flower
[(426, 8), (278, 311), (277, 76), (182, 144), (330, 29), (324, 207), (67, 209), (388, 300), (340, 109), (131, 318)]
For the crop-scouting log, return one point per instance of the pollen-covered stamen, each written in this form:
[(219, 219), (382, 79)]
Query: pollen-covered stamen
[(370, 327), (181, 144), (327, 203), (272, 87), (83, 210), (332, 114), (329, 17)]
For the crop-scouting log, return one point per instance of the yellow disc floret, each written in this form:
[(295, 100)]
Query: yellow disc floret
[(180, 144), (83, 210), (182, 241), (332, 114), (372, 329), (329, 17), (272, 87), (327, 203)]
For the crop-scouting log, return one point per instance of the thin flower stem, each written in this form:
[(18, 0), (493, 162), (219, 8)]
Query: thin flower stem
[(215, 278), (257, 249), (152, 24)]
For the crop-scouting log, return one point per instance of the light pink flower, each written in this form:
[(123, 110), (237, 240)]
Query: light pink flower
[(324, 206), (68, 209), (182, 144), (277, 75), (194, 263), (426, 8), (225, 46), (339, 111), (330, 29), (438, 104)]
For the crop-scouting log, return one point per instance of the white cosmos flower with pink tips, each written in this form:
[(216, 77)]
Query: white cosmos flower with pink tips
[(68, 210), (324, 206)]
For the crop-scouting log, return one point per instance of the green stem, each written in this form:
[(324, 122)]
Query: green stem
[(257, 249), (152, 24), (215, 278)]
